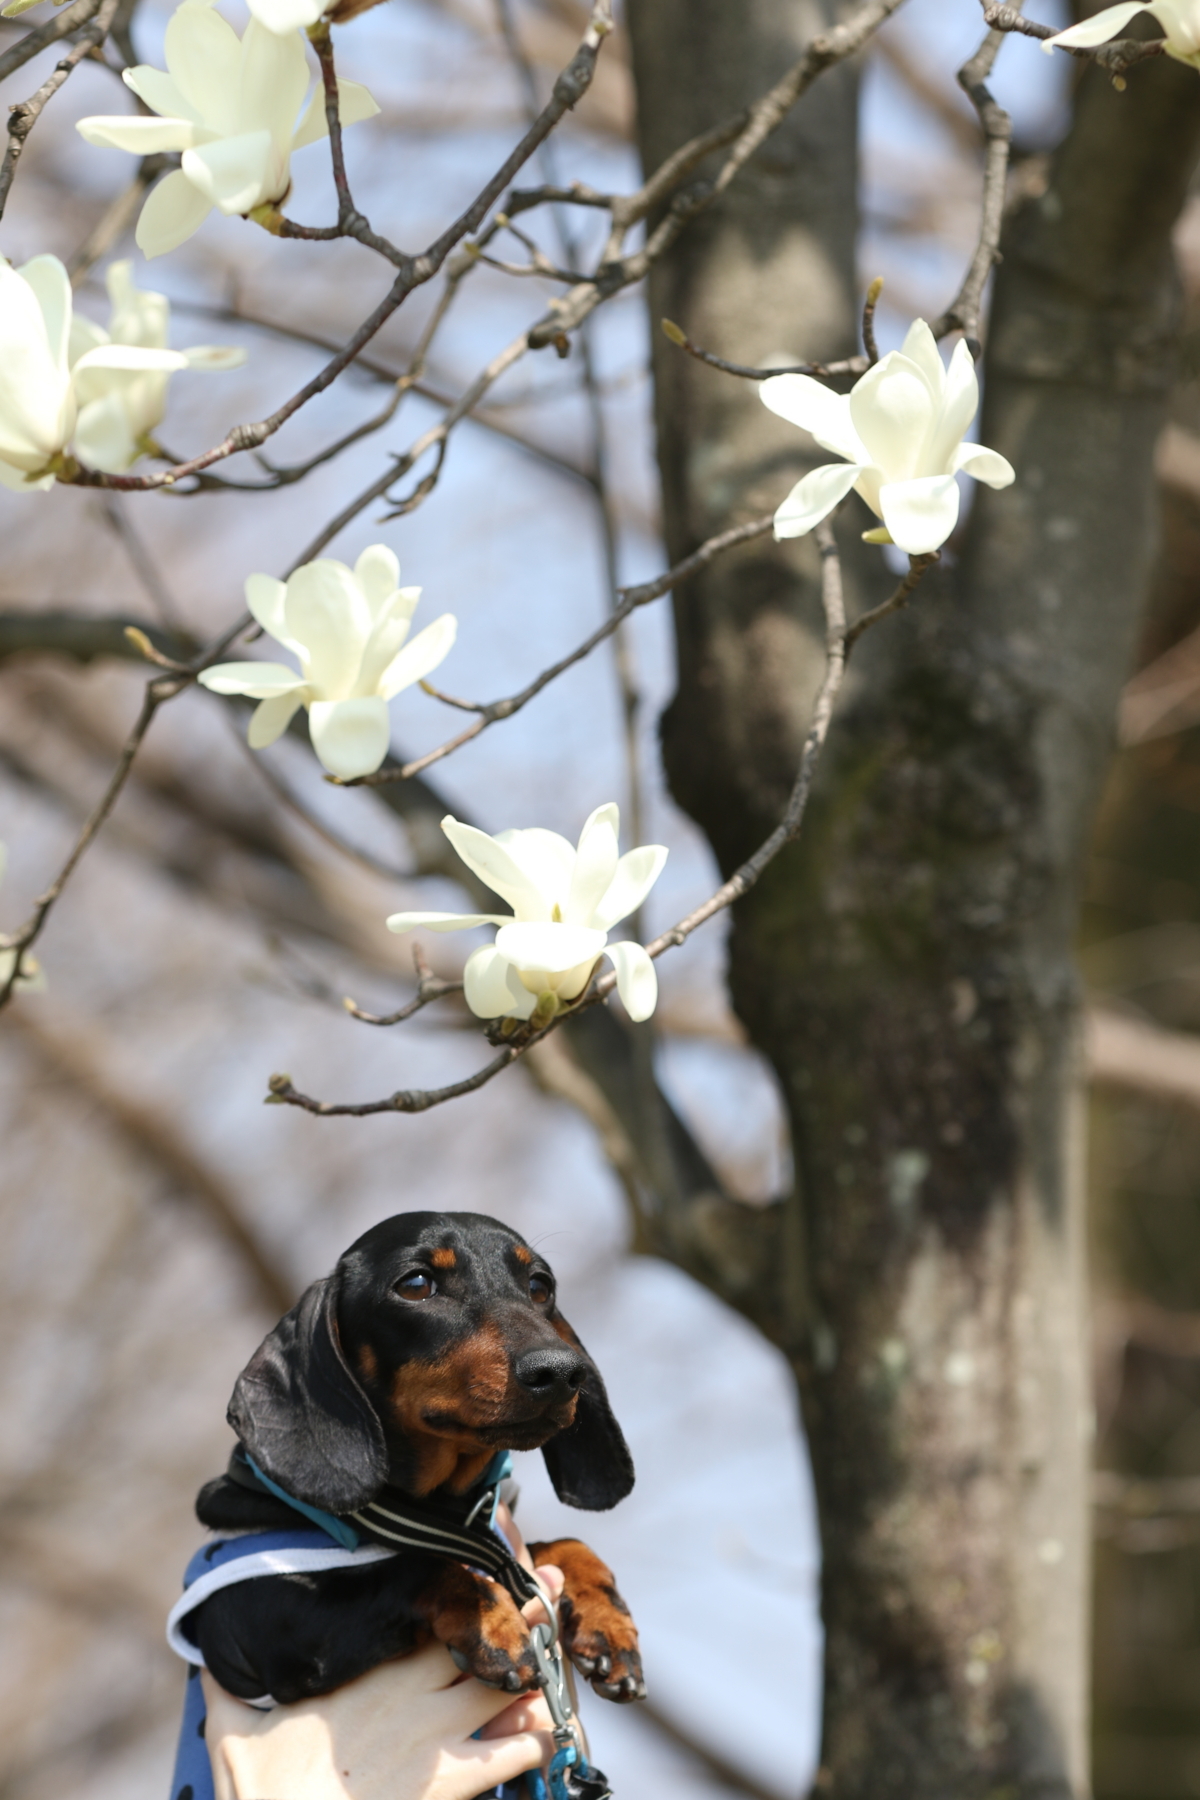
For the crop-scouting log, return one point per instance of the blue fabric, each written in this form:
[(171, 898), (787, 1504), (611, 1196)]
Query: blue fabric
[(337, 1528), (192, 1778)]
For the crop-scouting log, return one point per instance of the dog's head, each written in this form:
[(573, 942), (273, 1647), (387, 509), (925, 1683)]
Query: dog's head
[(436, 1342)]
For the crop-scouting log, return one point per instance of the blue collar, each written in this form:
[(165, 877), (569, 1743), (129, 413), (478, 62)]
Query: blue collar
[(498, 1470)]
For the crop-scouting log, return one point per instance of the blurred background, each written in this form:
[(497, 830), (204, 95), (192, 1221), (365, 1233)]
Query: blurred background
[(157, 1218)]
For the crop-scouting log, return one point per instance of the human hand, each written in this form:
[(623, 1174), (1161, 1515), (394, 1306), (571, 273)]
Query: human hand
[(405, 1731), (402, 1732)]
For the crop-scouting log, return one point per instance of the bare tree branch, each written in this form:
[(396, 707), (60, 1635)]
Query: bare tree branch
[(23, 117), (629, 599), (60, 26)]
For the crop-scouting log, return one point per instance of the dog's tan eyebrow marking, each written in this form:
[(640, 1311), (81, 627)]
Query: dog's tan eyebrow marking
[(443, 1259), (522, 1254)]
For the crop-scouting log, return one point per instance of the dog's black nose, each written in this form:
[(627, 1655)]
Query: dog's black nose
[(551, 1375)]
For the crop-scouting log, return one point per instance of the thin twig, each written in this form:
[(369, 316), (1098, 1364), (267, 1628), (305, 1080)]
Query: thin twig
[(917, 566), (282, 1089), (414, 272), (868, 320), (35, 41), (430, 987), (23, 117), (963, 312), (850, 365), (158, 691), (1116, 56), (628, 600)]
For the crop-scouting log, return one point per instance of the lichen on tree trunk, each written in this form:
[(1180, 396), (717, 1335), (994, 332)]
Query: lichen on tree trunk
[(907, 964)]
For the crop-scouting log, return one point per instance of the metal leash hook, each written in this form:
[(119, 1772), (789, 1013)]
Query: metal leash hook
[(569, 1777)]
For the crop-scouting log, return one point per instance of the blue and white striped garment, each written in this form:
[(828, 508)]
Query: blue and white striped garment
[(304, 1550)]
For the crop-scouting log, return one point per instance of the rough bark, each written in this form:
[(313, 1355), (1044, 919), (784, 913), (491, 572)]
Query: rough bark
[(907, 966)]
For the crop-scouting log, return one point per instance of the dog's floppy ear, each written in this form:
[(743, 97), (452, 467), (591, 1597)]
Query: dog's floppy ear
[(589, 1463), (301, 1414)]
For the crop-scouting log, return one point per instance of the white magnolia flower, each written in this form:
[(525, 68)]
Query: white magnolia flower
[(565, 901), (900, 429), (348, 628), (1180, 20), (38, 383), (31, 978), (120, 408), (230, 105), (282, 16)]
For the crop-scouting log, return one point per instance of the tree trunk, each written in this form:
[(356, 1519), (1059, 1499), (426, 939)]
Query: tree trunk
[(907, 965)]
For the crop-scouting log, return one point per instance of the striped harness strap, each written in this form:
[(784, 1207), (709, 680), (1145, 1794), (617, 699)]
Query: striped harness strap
[(398, 1523)]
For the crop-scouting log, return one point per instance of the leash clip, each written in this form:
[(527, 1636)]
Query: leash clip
[(569, 1776)]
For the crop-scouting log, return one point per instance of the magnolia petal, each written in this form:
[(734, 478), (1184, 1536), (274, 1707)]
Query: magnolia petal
[(439, 921), (260, 680), (19, 482), (377, 573), (984, 465), (637, 982), (382, 646), (37, 406), (1096, 30), (271, 718), (233, 173), (595, 865), (326, 613), (420, 656), (485, 984), (204, 55), (920, 514), (920, 347), (265, 597), (273, 82), (814, 498), (138, 316), (85, 335), (173, 211), (893, 411), (806, 403), (51, 287), (492, 860), (350, 737), (133, 358), (144, 137), (281, 16), (213, 356), (548, 861), (532, 947), (104, 438), (161, 94), (636, 874), (354, 104), (959, 406)]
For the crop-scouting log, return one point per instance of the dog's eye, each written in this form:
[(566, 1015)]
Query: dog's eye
[(540, 1290), (416, 1285)]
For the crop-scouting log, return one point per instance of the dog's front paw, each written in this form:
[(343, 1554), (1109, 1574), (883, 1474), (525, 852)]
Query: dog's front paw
[(482, 1628), (598, 1634), (607, 1654)]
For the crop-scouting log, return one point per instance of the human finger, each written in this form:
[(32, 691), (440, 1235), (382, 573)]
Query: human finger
[(528, 1712), (482, 1763)]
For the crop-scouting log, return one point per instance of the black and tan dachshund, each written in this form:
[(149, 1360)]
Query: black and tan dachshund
[(436, 1342)]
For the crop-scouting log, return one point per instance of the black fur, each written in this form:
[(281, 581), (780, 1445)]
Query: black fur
[(316, 1409)]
